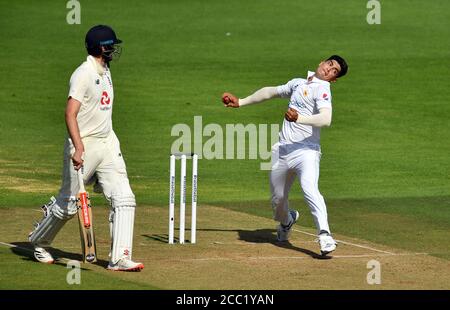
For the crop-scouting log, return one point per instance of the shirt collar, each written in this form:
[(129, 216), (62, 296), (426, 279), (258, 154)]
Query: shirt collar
[(96, 65), (312, 79)]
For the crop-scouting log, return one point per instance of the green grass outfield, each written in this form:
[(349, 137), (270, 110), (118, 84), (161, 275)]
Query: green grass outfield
[(385, 164)]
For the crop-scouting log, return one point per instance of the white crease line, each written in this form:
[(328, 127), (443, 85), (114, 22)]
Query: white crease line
[(249, 243), (254, 243), (348, 243), (298, 257), (382, 255)]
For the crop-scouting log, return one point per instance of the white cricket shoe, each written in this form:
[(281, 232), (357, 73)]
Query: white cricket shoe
[(43, 256), (327, 243), (283, 231), (125, 264)]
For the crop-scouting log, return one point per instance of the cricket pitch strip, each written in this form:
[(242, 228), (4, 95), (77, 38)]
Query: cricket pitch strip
[(236, 250)]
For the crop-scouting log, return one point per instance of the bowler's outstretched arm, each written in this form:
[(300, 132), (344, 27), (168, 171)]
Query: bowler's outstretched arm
[(260, 95)]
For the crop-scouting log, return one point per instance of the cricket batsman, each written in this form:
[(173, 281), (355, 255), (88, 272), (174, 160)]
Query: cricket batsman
[(297, 154), (93, 146)]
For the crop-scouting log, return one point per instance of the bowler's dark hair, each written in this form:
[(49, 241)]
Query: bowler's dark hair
[(342, 63)]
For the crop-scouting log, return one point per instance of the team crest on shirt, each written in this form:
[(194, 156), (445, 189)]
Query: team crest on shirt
[(305, 93), (105, 101)]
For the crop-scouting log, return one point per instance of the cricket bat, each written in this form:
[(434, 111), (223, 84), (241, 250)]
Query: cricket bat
[(87, 236)]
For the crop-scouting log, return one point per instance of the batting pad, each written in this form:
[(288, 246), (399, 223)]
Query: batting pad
[(46, 230), (122, 233), (54, 219)]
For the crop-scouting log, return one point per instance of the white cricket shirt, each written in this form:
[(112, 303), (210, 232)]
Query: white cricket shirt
[(91, 85), (307, 96)]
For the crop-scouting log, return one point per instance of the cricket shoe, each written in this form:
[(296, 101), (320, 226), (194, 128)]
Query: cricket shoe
[(327, 243), (43, 256), (125, 264), (283, 231)]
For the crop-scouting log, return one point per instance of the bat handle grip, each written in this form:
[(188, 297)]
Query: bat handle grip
[(80, 180)]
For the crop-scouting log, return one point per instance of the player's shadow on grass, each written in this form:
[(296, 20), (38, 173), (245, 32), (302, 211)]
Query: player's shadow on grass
[(252, 236), (269, 236), (164, 238), (25, 250)]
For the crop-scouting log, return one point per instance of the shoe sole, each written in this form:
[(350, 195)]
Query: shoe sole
[(134, 269), (327, 252)]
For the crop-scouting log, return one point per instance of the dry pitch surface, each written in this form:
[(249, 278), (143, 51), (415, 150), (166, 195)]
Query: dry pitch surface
[(238, 251)]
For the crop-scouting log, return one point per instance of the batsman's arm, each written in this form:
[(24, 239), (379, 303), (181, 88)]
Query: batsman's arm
[(72, 109), (260, 95)]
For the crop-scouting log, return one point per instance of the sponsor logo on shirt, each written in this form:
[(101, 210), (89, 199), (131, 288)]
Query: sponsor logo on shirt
[(325, 96), (105, 101)]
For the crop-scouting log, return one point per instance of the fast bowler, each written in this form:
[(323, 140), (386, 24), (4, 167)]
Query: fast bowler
[(297, 154)]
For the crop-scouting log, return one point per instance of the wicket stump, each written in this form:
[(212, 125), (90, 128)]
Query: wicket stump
[(183, 157)]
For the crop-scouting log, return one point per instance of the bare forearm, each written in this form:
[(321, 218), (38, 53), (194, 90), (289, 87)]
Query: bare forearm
[(72, 109), (74, 131), (260, 95)]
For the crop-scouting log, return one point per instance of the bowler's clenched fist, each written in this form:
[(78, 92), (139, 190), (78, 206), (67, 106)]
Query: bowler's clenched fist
[(291, 115), (230, 100)]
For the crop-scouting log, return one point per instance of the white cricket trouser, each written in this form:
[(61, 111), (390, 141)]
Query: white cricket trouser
[(286, 166), (103, 157)]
